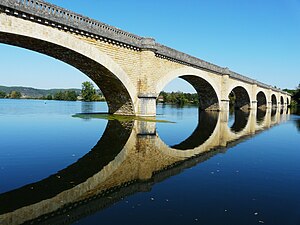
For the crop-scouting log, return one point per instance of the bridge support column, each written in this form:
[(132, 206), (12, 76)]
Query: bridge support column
[(146, 105), (269, 105), (224, 105), (253, 105)]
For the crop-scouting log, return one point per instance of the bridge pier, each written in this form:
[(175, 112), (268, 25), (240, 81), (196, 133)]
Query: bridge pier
[(253, 105), (224, 105), (146, 105)]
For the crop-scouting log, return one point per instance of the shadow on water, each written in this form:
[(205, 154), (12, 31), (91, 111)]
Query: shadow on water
[(121, 164)]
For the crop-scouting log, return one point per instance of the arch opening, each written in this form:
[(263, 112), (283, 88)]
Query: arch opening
[(207, 97), (274, 101), (239, 98), (261, 100), (287, 101), (204, 85), (119, 98), (281, 101)]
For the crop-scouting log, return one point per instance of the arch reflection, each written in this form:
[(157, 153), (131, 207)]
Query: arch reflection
[(207, 122), (240, 120), (260, 115), (129, 158)]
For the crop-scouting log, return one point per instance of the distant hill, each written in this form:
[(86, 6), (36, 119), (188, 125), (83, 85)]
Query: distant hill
[(28, 92)]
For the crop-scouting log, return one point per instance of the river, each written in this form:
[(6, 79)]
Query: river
[(60, 163)]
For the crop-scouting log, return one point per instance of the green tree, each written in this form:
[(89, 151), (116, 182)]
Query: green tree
[(58, 96), (70, 96), (296, 95), (49, 97), (88, 91), (2, 94), (15, 95)]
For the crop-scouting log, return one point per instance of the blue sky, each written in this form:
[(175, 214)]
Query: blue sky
[(260, 39)]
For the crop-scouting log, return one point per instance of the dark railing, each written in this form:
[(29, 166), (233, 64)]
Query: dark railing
[(49, 14)]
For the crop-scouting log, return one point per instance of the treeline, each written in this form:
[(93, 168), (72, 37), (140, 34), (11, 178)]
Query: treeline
[(12, 95), (88, 93), (295, 95), (178, 98)]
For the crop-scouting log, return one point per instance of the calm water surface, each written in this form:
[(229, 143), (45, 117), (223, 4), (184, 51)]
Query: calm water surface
[(207, 168)]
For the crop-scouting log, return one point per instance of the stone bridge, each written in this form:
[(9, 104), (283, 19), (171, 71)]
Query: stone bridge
[(130, 70), (114, 169)]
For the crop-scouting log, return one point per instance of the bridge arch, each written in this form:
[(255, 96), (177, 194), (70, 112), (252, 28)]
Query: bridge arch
[(241, 97), (287, 101), (274, 100), (115, 84), (281, 100), (207, 89), (261, 100)]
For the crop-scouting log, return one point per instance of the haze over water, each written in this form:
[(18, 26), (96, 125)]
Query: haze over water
[(192, 168)]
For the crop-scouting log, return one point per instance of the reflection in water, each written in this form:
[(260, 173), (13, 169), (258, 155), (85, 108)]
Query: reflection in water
[(207, 122), (104, 152), (240, 120), (260, 115), (298, 124), (128, 158), (87, 107)]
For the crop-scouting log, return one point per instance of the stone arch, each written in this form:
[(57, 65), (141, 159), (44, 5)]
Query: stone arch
[(274, 100), (261, 100), (287, 101), (115, 84), (242, 98), (205, 86)]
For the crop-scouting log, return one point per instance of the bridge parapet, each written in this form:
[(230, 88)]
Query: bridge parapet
[(47, 13)]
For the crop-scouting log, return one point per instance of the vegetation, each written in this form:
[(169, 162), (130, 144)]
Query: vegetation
[(2, 94), (295, 96), (15, 95), (117, 117), (64, 96), (33, 93), (178, 98), (88, 92)]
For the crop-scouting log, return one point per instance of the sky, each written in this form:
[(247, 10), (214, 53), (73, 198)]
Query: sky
[(259, 39)]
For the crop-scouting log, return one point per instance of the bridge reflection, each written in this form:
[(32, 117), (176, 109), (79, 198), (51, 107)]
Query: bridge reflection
[(133, 162)]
